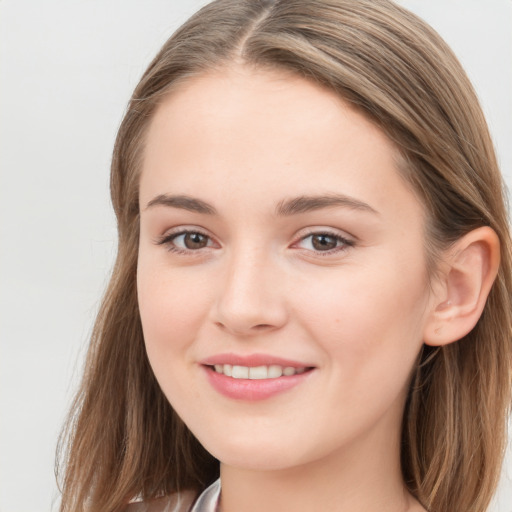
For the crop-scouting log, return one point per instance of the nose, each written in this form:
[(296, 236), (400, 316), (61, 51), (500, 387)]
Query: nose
[(252, 296)]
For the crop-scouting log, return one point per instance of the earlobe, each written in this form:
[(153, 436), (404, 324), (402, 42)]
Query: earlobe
[(470, 267)]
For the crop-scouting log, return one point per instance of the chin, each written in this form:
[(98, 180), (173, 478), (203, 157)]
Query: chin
[(253, 452)]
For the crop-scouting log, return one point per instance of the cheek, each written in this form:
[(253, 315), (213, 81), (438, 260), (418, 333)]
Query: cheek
[(368, 321), (368, 328), (172, 308)]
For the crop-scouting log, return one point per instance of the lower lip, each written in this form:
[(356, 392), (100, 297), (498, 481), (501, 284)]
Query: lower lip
[(252, 390)]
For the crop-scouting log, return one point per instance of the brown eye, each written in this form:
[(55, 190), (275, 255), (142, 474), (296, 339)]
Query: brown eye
[(322, 242), (194, 240), (186, 241)]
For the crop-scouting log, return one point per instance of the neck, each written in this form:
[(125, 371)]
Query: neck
[(363, 477)]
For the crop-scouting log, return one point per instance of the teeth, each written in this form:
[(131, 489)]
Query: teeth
[(240, 372), (257, 372), (274, 371)]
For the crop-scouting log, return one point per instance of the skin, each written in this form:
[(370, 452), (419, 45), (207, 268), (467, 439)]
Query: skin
[(243, 141)]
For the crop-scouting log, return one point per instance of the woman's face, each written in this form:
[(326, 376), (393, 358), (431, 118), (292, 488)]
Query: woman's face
[(281, 278)]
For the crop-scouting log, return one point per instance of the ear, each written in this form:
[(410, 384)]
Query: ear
[(468, 270)]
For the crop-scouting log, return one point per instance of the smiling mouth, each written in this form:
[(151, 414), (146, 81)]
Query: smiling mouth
[(254, 380), (263, 372)]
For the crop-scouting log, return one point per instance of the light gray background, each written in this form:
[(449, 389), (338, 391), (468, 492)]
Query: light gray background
[(67, 70)]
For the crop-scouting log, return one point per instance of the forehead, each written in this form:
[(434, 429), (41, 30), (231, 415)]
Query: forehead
[(277, 133)]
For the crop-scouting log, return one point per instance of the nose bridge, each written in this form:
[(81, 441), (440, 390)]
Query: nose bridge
[(251, 298)]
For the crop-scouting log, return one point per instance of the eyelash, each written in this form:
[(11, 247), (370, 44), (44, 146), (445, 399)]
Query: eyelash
[(168, 241), (344, 243)]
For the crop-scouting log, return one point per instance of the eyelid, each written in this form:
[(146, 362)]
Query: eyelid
[(346, 239), (167, 238)]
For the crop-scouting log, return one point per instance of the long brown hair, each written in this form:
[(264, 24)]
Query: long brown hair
[(123, 438)]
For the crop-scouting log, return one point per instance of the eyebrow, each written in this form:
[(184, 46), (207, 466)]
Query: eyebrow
[(183, 202), (305, 204), (287, 207)]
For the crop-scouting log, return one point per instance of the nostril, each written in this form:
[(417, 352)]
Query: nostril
[(258, 327)]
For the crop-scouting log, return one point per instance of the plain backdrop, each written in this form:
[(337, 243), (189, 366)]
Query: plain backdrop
[(67, 69)]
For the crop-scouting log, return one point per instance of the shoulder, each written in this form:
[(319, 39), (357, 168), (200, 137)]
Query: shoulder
[(178, 502)]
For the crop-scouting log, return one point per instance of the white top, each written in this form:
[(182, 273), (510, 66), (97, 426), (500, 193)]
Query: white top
[(207, 501)]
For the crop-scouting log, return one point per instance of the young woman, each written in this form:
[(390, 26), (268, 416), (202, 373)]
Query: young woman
[(311, 297)]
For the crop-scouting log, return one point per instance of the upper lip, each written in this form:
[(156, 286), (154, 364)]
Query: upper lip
[(252, 360)]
